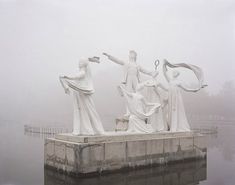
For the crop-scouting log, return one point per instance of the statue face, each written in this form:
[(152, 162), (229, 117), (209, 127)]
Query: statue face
[(132, 56), (83, 62)]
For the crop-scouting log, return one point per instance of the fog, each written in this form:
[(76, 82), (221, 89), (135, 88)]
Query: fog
[(42, 39)]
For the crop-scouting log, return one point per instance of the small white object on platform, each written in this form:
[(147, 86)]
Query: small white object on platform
[(121, 124)]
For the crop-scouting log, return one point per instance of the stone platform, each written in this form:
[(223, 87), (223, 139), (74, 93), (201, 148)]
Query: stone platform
[(83, 155)]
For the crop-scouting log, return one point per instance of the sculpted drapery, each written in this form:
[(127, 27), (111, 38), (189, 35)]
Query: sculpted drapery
[(86, 119)]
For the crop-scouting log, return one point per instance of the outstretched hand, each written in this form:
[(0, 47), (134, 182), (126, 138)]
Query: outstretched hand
[(149, 83), (106, 54), (154, 73), (67, 91), (205, 85), (94, 59)]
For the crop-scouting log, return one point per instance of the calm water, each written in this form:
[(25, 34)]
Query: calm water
[(21, 163)]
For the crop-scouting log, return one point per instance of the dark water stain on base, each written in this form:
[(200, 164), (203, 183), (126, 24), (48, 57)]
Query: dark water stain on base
[(182, 173)]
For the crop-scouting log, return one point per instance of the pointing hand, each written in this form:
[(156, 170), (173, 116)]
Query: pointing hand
[(106, 54)]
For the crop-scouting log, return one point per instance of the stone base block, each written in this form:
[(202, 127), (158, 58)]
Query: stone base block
[(82, 155)]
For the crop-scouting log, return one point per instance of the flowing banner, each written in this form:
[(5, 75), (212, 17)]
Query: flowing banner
[(196, 70)]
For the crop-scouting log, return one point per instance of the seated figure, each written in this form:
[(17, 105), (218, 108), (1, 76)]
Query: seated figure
[(140, 110), (157, 94)]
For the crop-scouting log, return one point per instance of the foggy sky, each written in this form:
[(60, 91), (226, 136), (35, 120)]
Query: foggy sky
[(42, 39)]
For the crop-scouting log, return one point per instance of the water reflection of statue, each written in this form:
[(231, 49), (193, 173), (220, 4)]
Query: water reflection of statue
[(131, 72), (176, 113), (140, 110), (86, 119)]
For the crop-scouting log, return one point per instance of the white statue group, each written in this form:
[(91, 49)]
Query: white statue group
[(160, 109)]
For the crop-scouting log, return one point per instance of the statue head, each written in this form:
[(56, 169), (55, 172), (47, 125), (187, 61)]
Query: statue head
[(83, 62), (175, 74), (132, 56)]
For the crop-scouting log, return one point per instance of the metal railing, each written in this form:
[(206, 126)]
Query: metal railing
[(205, 130), (45, 131)]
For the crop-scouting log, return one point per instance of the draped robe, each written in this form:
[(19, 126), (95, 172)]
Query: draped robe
[(86, 120), (177, 116), (139, 112)]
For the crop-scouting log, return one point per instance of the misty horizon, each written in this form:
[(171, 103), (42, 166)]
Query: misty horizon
[(41, 40)]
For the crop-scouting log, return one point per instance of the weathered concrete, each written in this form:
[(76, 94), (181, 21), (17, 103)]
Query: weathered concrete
[(120, 137), (184, 173), (96, 154)]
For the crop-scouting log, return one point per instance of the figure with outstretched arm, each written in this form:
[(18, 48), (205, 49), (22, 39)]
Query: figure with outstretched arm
[(176, 116), (131, 72), (86, 119), (114, 59)]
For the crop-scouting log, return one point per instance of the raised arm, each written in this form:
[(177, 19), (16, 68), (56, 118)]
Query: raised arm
[(145, 71), (162, 87), (163, 100), (117, 61), (153, 107), (165, 70), (147, 103), (188, 89), (124, 91), (80, 75)]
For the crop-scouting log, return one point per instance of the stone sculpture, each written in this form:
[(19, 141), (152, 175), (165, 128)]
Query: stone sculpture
[(158, 120), (86, 119), (176, 112), (140, 145), (140, 110), (146, 114), (131, 72)]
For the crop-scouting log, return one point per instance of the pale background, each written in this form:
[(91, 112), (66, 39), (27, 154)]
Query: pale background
[(42, 39)]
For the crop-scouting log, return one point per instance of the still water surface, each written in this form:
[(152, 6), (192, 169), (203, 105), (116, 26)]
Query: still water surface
[(21, 163)]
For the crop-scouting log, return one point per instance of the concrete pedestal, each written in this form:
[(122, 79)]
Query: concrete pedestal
[(82, 155)]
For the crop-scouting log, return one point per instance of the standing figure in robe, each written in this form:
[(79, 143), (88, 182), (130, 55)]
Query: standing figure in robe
[(131, 73), (176, 115), (86, 119), (140, 111), (156, 95)]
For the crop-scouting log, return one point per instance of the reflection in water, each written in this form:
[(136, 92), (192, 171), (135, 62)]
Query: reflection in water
[(22, 163), (185, 173), (225, 135)]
